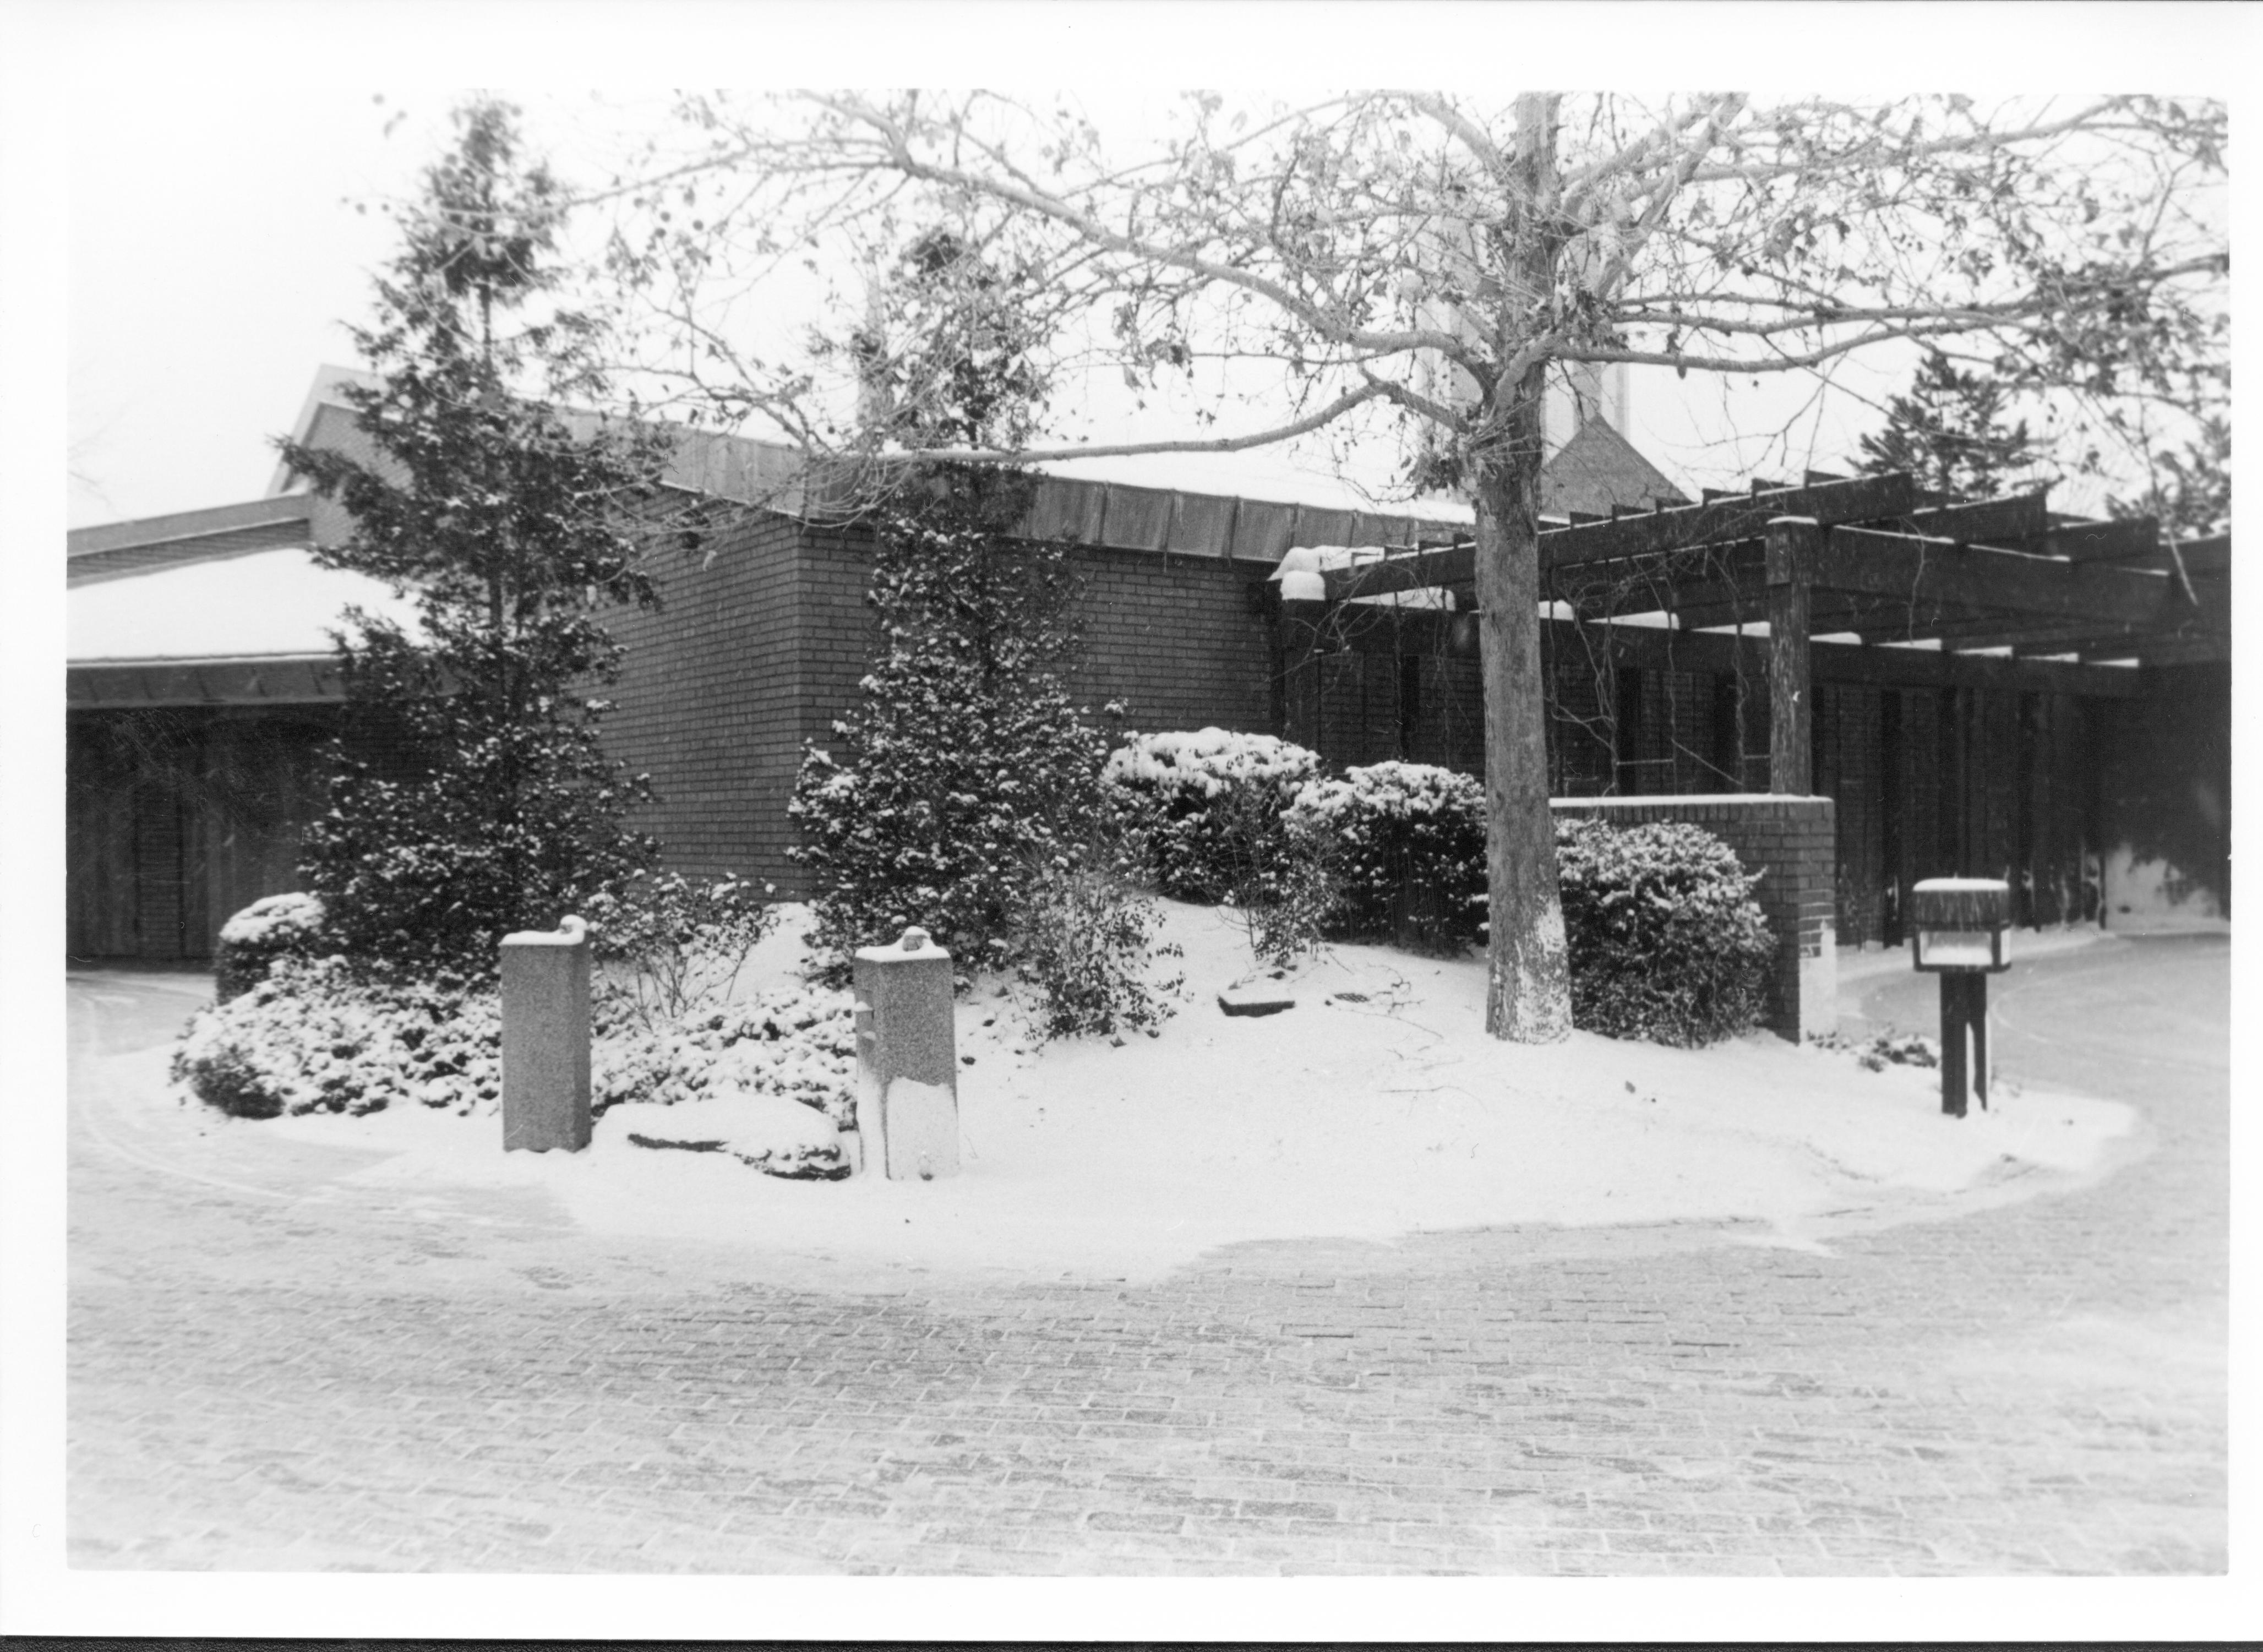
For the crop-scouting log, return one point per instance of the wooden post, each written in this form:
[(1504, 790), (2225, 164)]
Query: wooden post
[(1300, 624), (1793, 545), (1954, 1084), (1976, 1016)]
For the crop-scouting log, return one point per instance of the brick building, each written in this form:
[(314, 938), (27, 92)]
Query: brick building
[(2097, 780)]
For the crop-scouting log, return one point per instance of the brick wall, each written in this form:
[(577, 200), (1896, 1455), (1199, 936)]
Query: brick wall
[(705, 701), (1176, 639), (1790, 842), (781, 634)]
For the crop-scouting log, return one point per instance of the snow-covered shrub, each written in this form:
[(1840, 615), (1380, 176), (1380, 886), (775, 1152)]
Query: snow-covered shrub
[(676, 944), (798, 1042), (1286, 901), (312, 1037), (1409, 852), (1201, 809), (1666, 942), (1085, 947), (964, 761), (273, 926)]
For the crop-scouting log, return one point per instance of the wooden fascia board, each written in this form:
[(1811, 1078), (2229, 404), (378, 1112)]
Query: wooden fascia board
[(189, 525), (280, 680)]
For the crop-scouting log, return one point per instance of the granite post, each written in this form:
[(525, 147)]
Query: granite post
[(906, 1058), (546, 1039)]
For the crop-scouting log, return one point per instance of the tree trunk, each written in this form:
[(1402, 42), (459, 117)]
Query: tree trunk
[(1528, 989)]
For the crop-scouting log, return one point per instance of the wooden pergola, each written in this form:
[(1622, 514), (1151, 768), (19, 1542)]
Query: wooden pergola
[(1865, 580)]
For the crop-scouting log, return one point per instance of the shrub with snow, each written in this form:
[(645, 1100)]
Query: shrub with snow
[(1085, 947), (796, 1042), (1202, 809), (1409, 853), (676, 944), (1666, 942), (313, 1037), (271, 927)]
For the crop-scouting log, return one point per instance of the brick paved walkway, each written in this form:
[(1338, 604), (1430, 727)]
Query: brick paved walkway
[(271, 1370)]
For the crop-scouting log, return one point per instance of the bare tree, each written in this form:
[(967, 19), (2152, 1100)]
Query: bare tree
[(1431, 256)]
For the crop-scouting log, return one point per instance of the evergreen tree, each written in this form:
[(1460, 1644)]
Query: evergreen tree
[(470, 796), (1950, 433), (2190, 490), (963, 770)]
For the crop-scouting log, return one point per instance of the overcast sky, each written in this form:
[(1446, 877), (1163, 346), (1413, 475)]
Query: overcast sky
[(214, 255)]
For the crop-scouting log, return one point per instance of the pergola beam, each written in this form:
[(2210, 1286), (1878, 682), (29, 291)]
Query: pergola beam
[(1680, 527), (2126, 540), (1429, 633), (2167, 651), (1872, 563), (2015, 516), (1739, 516)]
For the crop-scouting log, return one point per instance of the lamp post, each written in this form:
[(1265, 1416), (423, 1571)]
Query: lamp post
[(1960, 930)]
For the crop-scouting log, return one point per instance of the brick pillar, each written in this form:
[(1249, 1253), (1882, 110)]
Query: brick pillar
[(906, 1060), (546, 1039)]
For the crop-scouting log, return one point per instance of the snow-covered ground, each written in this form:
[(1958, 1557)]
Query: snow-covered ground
[(1377, 1108)]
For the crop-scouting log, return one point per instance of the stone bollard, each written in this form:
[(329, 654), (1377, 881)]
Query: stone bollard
[(546, 1039), (906, 1058)]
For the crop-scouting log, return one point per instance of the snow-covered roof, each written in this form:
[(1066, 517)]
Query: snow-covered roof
[(275, 603)]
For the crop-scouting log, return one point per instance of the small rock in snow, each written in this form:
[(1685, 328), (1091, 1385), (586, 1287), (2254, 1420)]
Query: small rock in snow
[(1254, 1001), (966, 1060)]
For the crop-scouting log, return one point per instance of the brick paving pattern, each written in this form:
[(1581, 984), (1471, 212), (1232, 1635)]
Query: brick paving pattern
[(271, 1370)]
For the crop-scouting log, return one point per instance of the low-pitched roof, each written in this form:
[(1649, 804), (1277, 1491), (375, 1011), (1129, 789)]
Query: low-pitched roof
[(237, 582), (262, 603)]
